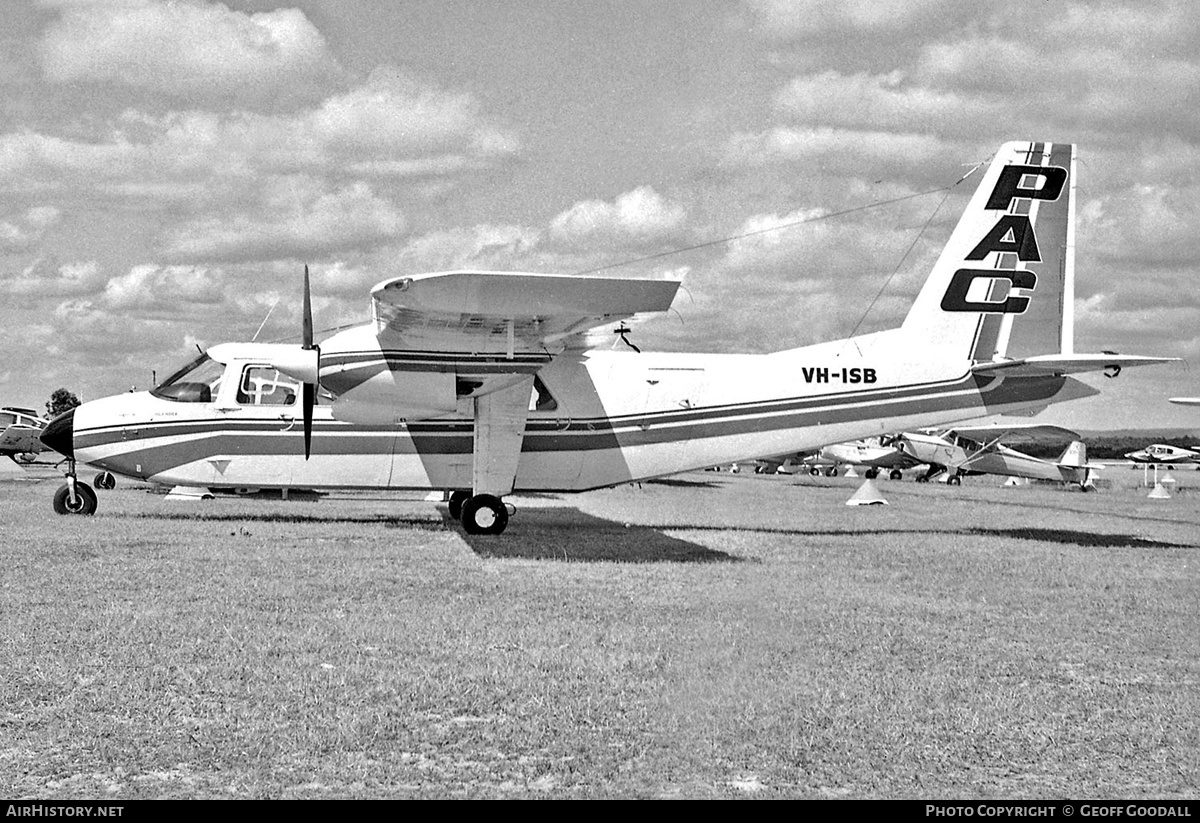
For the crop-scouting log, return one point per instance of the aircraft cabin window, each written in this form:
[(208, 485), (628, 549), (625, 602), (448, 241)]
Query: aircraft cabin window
[(7, 420), (264, 386), (197, 382)]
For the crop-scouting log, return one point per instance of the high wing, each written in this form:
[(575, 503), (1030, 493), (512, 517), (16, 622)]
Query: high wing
[(1026, 432), (446, 339), (511, 311)]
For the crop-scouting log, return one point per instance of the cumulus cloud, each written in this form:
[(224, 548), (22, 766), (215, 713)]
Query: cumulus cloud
[(292, 218), (203, 51), (792, 18), (24, 232), (148, 287), (388, 129), (636, 217), (46, 277)]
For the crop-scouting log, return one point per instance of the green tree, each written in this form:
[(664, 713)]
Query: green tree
[(60, 401)]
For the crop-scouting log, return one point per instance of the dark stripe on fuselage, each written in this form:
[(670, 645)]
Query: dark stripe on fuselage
[(441, 437)]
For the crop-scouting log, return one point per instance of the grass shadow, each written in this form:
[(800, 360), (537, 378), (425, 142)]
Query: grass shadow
[(1074, 538), (1061, 536), (676, 482), (567, 534), (385, 520)]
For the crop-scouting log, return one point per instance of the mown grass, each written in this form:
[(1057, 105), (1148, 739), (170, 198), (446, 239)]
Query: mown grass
[(713, 636)]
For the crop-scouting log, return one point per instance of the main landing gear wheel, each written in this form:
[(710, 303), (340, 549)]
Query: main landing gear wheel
[(84, 501), (455, 504), (895, 474), (484, 514), (814, 471), (954, 480), (871, 474)]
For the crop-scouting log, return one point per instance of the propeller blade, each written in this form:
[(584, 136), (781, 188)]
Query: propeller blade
[(309, 393), (309, 399), (308, 320)]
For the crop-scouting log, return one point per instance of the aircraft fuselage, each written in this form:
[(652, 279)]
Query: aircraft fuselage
[(611, 417)]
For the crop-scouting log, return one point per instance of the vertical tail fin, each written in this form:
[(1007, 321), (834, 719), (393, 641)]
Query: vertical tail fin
[(1004, 284), (1075, 455)]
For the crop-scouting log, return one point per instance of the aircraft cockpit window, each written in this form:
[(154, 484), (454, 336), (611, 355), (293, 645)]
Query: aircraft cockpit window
[(540, 398), (264, 386), (197, 382), (7, 420)]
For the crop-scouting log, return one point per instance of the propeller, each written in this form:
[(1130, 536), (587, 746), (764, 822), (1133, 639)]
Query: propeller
[(309, 390)]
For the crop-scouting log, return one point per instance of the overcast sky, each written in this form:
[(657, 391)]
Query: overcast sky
[(168, 168)]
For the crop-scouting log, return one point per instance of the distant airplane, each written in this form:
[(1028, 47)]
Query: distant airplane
[(1186, 401), (872, 454), (21, 430), (478, 384), (978, 450), (1162, 454)]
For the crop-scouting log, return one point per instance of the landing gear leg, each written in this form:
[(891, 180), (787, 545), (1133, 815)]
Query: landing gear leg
[(484, 514)]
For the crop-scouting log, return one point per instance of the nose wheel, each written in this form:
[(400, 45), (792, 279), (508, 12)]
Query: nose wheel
[(75, 498)]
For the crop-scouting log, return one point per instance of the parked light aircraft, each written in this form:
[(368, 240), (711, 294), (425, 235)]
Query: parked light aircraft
[(475, 383), (871, 454), (1163, 454), (967, 450), (20, 434)]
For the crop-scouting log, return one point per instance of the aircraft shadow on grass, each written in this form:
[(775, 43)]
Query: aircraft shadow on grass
[(553, 533), (1060, 536), (566, 533)]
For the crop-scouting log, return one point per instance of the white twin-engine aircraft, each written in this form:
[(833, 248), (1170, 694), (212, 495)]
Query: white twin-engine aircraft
[(476, 383)]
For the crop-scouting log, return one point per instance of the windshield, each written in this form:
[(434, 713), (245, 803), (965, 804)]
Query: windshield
[(197, 382)]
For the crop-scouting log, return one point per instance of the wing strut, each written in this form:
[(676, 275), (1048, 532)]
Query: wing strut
[(309, 390)]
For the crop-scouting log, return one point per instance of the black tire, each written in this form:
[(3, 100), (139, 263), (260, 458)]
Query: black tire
[(896, 474), (106, 481), (832, 471), (922, 478), (455, 504), (484, 514), (814, 471), (871, 474), (954, 480), (85, 502)]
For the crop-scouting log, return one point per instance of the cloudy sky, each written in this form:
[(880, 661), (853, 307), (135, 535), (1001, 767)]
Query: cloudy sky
[(167, 168)]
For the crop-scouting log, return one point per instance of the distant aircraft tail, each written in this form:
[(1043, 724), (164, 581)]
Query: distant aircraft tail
[(1075, 455), (1004, 284)]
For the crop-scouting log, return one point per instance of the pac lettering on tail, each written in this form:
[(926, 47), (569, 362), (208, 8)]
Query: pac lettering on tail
[(1013, 237), (1003, 286)]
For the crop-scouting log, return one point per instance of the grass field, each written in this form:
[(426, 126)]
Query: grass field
[(708, 636)]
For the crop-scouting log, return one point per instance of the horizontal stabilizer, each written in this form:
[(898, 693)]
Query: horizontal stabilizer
[(1055, 365)]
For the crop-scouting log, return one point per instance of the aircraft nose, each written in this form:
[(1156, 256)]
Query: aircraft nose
[(59, 433)]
